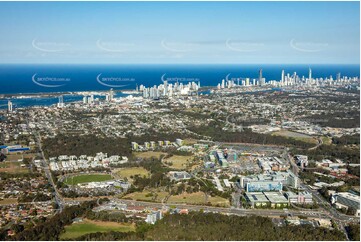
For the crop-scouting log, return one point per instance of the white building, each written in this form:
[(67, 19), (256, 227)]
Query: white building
[(153, 217), (179, 142), (10, 106), (346, 200)]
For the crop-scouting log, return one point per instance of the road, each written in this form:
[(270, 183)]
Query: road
[(58, 199), (235, 211), (340, 219), (319, 143), (57, 196), (287, 157)]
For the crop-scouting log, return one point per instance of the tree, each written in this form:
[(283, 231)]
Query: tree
[(351, 211)]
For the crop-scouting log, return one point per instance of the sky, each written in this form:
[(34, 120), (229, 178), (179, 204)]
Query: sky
[(180, 32)]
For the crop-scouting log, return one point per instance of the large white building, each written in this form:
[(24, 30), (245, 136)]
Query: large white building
[(154, 217), (346, 200)]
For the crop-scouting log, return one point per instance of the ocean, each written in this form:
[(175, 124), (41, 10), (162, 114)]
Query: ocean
[(49, 78)]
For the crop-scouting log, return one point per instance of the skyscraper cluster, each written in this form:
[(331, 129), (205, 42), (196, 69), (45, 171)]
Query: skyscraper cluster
[(169, 89), (295, 80), (110, 96), (288, 80)]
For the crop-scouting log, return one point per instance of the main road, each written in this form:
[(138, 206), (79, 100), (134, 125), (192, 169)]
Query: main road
[(58, 199), (235, 211), (57, 196)]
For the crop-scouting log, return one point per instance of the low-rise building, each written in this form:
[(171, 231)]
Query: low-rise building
[(302, 197), (179, 175), (256, 199), (276, 199), (302, 160)]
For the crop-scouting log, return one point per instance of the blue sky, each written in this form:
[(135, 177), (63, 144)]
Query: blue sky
[(180, 32)]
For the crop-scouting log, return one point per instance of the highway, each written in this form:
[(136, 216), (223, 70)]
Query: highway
[(235, 211), (58, 199)]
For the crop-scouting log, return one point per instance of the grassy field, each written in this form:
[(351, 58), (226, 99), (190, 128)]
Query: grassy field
[(87, 178), (30, 155), (89, 226), (83, 199), (297, 136), (147, 196), (197, 198), (149, 154), (179, 162), (190, 141), (7, 201), (218, 201), (13, 167), (131, 171), (13, 157), (326, 140)]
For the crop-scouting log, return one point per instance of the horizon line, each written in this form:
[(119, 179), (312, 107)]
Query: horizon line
[(204, 63)]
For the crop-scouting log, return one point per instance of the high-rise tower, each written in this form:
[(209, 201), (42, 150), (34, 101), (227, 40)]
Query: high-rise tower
[(61, 102), (111, 94), (10, 106), (260, 79)]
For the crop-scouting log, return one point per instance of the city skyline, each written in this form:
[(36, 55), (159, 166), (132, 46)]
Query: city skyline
[(180, 32)]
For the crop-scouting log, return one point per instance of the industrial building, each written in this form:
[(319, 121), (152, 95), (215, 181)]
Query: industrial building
[(12, 149)]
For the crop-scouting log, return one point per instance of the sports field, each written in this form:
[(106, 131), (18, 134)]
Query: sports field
[(87, 178), (90, 226)]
